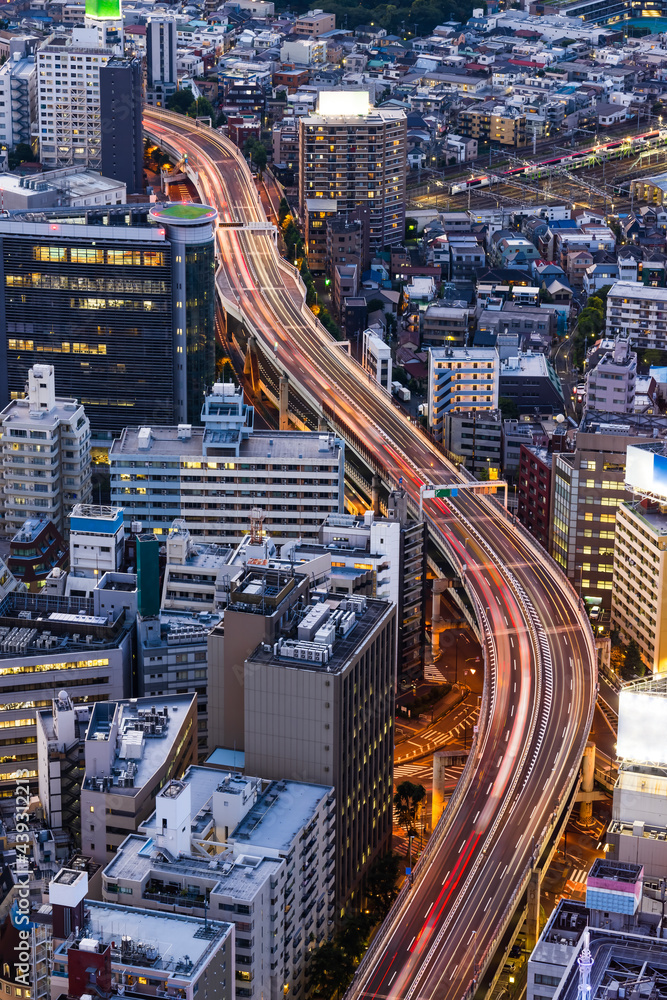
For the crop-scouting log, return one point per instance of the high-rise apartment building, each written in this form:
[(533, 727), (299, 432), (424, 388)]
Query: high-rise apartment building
[(637, 313), (460, 379), (68, 98), (121, 85), (215, 477), (610, 386), (123, 298), (588, 487), (45, 451), (353, 155), (60, 762), (161, 54), (639, 594), (106, 19)]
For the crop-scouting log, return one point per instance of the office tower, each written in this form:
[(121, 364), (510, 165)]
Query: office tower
[(220, 477), (121, 82), (260, 854), (132, 748), (69, 644), (588, 487), (68, 98), (460, 379), (313, 702), (123, 298), (45, 450), (352, 156), (610, 386), (18, 93), (161, 54)]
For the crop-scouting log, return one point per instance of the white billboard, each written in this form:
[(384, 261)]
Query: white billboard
[(642, 727), (646, 471), (336, 103)]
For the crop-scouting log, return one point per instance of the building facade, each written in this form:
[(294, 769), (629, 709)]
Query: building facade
[(354, 155), (610, 385), (161, 55), (45, 449), (121, 87), (110, 278), (460, 379), (637, 313), (213, 478)]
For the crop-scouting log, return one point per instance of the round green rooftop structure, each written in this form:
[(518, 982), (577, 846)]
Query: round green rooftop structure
[(184, 213)]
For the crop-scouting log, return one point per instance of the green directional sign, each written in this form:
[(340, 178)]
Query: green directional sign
[(447, 491)]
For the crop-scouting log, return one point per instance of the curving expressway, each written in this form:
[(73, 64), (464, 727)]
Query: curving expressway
[(540, 656)]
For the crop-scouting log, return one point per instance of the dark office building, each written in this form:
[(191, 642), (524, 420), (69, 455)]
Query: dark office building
[(121, 300), (120, 114)]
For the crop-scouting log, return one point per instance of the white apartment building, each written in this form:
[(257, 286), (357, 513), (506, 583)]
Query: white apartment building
[(639, 585), (304, 52), (96, 546), (354, 155), (638, 313), (610, 386), (18, 99), (68, 98), (45, 452), (161, 59), (259, 854), (376, 359), (460, 379), (214, 477)]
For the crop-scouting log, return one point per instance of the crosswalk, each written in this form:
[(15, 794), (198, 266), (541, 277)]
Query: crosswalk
[(403, 771), (431, 673), (578, 877)]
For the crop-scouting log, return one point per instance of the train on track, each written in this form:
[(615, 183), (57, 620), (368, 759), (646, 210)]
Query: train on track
[(577, 158)]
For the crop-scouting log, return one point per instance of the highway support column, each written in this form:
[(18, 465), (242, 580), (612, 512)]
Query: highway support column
[(283, 398), (438, 801), (587, 783), (375, 494), (533, 914)]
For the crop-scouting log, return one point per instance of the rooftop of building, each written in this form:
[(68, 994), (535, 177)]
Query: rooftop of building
[(97, 519), (115, 220), (31, 529), (47, 626), (143, 732), (328, 634), (637, 290), (471, 354), (20, 412), (279, 813), (166, 442), (238, 877), (182, 628), (627, 424), (185, 213), (561, 933), (620, 961), (169, 942), (75, 183), (653, 516)]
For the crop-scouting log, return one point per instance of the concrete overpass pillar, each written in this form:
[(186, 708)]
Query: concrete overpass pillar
[(283, 396), (322, 425), (438, 801), (375, 494), (587, 781), (533, 915)]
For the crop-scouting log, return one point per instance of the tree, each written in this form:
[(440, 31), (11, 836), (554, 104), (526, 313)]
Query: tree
[(330, 970), (633, 665), (181, 101), (21, 153), (508, 408), (407, 800), (381, 888), (201, 108)]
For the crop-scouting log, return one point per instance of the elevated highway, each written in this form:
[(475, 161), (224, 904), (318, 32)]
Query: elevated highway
[(540, 659)]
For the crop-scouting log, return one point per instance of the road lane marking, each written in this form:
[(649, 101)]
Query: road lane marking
[(446, 876), (428, 911), (507, 736), (570, 683), (512, 712), (472, 934), (462, 846), (515, 685), (489, 788), (411, 943), (487, 904), (453, 973), (511, 642), (569, 707), (476, 815), (564, 731), (506, 622), (392, 978)]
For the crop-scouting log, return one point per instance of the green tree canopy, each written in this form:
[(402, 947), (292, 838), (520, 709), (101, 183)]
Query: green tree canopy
[(407, 799)]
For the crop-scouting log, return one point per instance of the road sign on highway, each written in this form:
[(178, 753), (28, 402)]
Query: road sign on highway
[(408, 871)]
